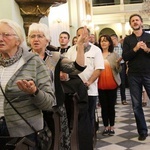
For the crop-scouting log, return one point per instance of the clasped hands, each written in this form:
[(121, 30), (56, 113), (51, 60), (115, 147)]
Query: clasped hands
[(141, 45)]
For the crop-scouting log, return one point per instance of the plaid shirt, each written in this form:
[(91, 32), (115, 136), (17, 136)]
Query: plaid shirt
[(118, 49)]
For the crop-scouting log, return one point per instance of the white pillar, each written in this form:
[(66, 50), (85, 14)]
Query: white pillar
[(123, 30), (121, 1), (73, 16), (9, 9)]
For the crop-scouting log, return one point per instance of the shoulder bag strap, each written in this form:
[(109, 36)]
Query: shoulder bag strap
[(17, 110)]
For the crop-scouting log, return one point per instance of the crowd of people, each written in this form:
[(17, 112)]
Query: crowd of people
[(44, 78)]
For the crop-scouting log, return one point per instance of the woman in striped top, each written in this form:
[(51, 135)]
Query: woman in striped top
[(25, 81)]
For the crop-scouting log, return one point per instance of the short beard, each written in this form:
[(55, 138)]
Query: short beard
[(136, 29)]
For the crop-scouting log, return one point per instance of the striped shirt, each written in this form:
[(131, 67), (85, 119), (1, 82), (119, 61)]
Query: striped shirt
[(5, 74)]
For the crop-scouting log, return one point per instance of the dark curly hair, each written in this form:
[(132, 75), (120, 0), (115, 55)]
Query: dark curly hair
[(108, 38)]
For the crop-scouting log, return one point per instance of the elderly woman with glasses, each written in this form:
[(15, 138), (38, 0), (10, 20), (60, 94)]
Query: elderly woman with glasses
[(25, 85), (38, 38)]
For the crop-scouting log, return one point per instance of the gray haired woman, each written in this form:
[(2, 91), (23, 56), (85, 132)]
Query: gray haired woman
[(38, 38), (25, 81)]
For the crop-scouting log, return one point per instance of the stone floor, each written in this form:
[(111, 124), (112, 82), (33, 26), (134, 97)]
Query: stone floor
[(126, 137)]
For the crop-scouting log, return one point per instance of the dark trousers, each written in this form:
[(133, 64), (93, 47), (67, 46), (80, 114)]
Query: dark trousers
[(3, 134), (135, 85), (107, 100), (91, 109), (123, 82)]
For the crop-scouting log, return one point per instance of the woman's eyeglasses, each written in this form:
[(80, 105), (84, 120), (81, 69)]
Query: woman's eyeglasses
[(7, 35), (39, 36)]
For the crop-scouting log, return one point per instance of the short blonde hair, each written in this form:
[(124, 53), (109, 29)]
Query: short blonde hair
[(41, 27), (16, 28)]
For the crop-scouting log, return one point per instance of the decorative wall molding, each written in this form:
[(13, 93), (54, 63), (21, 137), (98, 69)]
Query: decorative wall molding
[(33, 10)]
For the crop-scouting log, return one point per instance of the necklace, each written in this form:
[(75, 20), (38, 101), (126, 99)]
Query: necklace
[(138, 38)]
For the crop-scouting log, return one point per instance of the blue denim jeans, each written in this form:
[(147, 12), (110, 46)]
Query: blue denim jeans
[(135, 85)]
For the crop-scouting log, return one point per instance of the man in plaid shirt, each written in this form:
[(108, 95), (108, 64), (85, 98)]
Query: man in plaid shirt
[(118, 49)]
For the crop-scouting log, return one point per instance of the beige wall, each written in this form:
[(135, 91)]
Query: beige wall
[(5, 9), (9, 10)]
